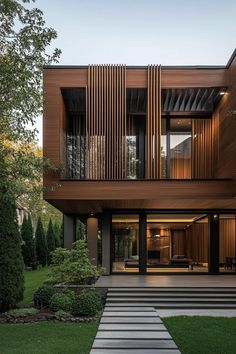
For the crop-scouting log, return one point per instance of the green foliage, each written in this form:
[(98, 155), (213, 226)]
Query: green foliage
[(41, 246), (87, 304), (11, 260), (50, 240), (25, 312), (23, 54), (43, 295), (81, 233), (57, 232), (62, 301), (28, 244), (73, 266)]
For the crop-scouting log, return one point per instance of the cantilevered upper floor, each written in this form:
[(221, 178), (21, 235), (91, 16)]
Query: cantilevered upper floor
[(116, 123)]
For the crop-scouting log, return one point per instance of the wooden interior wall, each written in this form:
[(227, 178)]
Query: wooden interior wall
[(202, 164), (153, 122), (178, 242), (106, 122), (197, 242), (227, 239), (225, 129)]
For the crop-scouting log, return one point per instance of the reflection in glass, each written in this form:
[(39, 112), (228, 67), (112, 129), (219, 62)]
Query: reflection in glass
[(180, 148), (163, 149), (125, 236), (135, 147), (227, 243), (177, 243)]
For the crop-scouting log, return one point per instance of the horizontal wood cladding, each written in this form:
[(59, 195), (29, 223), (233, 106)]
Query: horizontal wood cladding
[(137, 77), (193, 78), (135, 189)]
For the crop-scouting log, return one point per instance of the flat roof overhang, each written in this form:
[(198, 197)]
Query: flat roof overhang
[(83, 197)]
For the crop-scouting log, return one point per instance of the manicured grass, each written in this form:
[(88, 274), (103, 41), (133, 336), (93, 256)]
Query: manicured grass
[(47, 337), (34, 279), (203, 335)]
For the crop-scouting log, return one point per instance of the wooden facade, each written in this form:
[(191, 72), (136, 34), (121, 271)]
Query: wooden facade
[(145, 140), (213, 139)]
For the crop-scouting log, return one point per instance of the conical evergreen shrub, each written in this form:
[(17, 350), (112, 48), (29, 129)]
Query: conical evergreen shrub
[(50, 240), (40, 243), (28, 244), (57, 233), (11, 260)]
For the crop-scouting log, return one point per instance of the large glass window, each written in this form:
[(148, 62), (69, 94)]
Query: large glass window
[(177, 243), (75, 106), (125, 243), (135, 133), (180, 148), (227, 243)]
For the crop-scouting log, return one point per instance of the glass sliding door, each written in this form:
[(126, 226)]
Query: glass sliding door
[(177, 243), (227, 256), (125, 243)]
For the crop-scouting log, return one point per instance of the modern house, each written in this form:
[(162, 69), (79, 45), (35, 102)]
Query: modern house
[(149, 163)]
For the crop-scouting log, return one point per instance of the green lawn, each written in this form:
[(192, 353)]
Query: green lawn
[(33, 279), (47, 337), (203, 335)]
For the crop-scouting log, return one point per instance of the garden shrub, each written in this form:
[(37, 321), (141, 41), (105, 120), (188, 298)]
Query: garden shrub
[(11, 260), (43, 295), (50, 240), (28, 245), (62, 301), (88, 303), (73, 266), (41, 244), (24, 312)]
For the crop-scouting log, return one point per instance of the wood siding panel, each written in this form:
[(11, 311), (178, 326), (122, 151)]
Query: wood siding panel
[(225, 129), (227, 239), (202, 163), (153, 123), (173, 78)]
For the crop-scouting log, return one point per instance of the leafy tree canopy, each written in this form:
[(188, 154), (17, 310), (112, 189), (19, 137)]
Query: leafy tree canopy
[(24, 40)]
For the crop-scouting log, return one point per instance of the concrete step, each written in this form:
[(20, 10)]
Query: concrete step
[(129, 314), (134, 320), (134, 344), (169, 305), (133, 335), (133, 295), (131, 327), (167, 299), (173, 289), (122, 307), (134, 351)]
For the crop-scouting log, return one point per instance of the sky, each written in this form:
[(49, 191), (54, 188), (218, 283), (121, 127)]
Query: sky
[(141, 32)]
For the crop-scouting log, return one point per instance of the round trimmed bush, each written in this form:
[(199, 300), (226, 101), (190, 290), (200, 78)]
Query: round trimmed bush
[(62, 301), (43, 295), (88, 304)]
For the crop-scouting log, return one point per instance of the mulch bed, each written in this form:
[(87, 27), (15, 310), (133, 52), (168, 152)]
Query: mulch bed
[(46, 316)]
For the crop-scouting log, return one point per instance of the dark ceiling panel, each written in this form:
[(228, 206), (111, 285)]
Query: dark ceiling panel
[(191, 99)]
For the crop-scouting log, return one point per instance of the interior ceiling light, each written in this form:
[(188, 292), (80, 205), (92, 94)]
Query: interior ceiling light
[(222, 92)]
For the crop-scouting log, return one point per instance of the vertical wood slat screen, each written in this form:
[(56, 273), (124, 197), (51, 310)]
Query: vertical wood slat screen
[(153, 122), (202, 148), (106, 122)]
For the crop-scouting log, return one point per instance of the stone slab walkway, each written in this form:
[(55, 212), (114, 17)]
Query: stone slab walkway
[(134, 330)]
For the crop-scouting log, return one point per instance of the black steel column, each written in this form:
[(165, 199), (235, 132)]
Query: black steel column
[(142, 243), (213, 244)]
